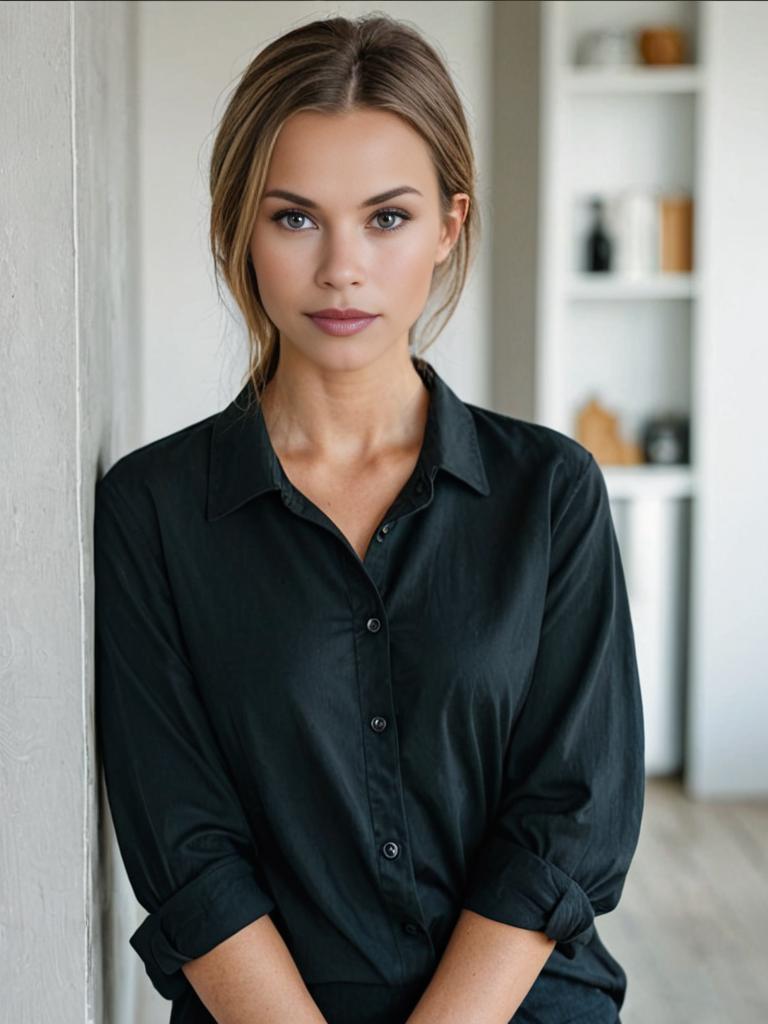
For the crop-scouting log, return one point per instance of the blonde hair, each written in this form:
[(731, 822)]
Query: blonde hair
[(333, 65)]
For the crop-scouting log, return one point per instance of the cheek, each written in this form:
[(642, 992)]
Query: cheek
[(277, 274), (406, 263), (271, 260)]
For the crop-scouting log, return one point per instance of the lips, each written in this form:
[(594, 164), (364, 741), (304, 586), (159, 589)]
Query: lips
[(343, 314), (342, 322)]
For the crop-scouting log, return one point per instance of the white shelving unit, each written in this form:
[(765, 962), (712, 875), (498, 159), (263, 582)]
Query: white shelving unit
[(630, 343), (693, 537)]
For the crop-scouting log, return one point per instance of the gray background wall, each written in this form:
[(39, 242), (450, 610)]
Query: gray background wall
[(68, 302)]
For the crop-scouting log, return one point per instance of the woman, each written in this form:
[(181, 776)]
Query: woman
[(367, 690)]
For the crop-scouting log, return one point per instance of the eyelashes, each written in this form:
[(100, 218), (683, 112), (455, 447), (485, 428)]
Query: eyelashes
[(391, 211)]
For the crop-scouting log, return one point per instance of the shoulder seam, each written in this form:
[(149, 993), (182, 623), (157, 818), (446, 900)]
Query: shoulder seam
[(589, 462), (115, 493)]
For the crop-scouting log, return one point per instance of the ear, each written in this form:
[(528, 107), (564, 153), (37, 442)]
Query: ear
[(452, 225)]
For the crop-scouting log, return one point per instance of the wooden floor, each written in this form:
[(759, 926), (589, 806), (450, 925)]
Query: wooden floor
[(691, 929)]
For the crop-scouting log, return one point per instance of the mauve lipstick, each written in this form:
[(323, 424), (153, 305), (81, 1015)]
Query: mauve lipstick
[(341, 322)]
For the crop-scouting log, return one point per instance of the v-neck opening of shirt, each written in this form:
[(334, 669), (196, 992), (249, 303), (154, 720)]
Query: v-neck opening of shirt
[(414, 492)]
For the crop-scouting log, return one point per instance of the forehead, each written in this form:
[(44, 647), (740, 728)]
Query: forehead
[(356, 154)]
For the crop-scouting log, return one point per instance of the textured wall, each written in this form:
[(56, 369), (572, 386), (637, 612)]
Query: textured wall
[(66, 260)]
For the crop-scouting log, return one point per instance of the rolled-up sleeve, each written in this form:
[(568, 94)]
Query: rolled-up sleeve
[(568, 821), (183, 835)]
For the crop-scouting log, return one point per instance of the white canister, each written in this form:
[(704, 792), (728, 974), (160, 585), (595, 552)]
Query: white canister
[(635, 220)]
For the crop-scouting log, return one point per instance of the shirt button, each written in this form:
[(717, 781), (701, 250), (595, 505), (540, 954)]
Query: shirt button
[(390, 850), (411, 928), (378, 724), (419, 486), (374, 625), (383, 532)]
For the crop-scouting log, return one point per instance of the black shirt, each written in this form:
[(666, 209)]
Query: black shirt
[(362, 748)]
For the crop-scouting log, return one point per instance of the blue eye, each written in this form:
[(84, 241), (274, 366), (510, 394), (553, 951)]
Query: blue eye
[(282, 214), (393, 213)]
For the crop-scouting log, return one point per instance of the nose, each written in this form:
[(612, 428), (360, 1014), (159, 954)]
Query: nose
[(342, 259)]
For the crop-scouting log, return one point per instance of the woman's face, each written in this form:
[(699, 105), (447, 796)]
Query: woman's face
[(325, 247)]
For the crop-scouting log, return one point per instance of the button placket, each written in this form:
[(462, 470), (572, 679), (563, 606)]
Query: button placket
[(383, 770)]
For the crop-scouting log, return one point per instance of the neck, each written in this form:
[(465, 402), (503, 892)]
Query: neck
[(348, 416)]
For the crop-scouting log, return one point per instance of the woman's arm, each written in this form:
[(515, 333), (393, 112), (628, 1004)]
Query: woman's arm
[(558, 849), (485, 972), (185, 837), (251, 978)]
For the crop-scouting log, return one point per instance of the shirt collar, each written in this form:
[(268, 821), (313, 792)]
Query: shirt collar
[(243, 463)]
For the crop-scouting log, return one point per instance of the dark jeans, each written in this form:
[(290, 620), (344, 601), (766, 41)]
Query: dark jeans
[(551, 1000), (554, 1000)]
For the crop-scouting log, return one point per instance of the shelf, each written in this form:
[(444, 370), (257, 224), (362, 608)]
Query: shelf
[(684, 78), (612, 286), (649, 481), (631, 343)]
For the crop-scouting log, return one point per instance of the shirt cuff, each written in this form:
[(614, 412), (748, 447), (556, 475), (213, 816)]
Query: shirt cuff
[(515, 886), (203, 913)]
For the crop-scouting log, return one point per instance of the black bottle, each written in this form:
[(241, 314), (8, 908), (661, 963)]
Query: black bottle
[(598, 247)]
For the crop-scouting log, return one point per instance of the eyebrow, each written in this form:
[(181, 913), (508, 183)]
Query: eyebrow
[(383, 197)]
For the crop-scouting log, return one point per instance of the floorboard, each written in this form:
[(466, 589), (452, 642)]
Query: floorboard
[(691, 924)]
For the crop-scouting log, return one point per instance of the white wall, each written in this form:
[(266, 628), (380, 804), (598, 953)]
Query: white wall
[(190, 55), (728, 708), (66, 254)]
